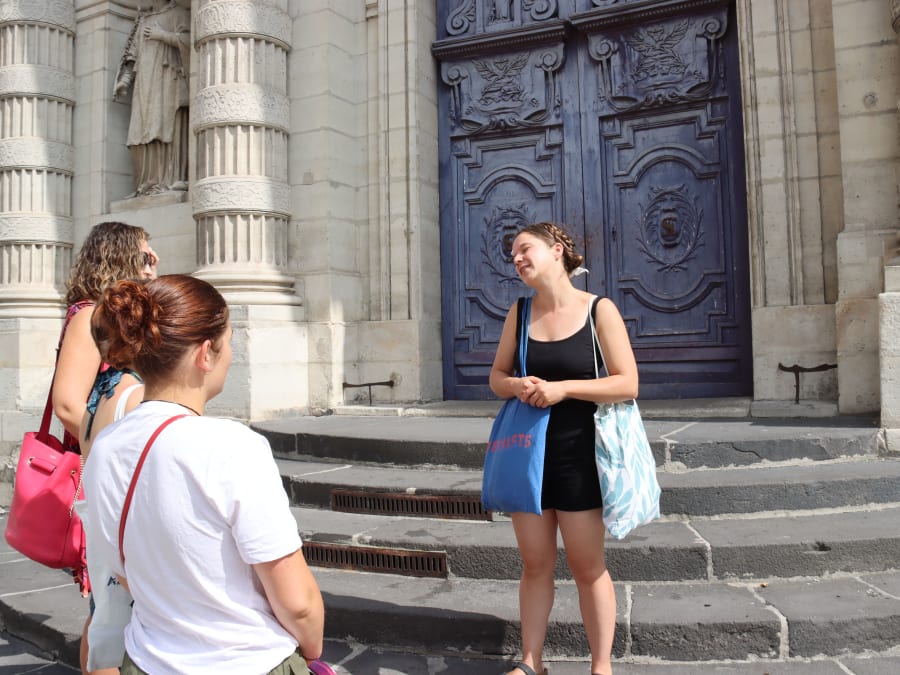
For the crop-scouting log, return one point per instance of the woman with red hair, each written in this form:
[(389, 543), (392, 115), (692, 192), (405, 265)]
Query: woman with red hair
[(209, 550)]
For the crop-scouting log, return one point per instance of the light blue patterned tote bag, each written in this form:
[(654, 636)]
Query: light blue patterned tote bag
[(625, 463)]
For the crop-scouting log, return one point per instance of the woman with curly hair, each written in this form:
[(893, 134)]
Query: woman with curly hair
[(111, 252)]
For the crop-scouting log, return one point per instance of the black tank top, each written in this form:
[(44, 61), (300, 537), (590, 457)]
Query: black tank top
[(571, 358)]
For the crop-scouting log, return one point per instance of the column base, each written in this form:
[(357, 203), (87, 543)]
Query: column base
[(251, 286), (889, 362), (28, 303), (269, 375)]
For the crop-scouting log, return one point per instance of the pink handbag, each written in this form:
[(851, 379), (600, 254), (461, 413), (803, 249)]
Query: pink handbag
[(42, 522)]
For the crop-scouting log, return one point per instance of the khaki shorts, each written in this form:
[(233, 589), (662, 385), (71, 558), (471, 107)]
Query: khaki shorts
[(292, 665)]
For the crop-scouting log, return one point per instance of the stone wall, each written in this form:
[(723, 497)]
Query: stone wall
[(821, 130)]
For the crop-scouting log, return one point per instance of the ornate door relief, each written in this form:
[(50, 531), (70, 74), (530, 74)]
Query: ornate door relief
[(669, 60), (621, 120)]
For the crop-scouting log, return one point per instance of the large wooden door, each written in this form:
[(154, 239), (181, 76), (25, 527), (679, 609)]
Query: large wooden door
[(622, 121)]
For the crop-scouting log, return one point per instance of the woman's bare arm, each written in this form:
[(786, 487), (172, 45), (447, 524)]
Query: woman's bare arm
[(622, 382), (76, 369), (295, 598)]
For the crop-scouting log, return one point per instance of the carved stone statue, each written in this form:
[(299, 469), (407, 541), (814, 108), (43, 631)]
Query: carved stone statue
[(155, 66)]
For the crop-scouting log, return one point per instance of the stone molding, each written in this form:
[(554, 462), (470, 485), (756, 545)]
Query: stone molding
[(219, 19), (43, 228), (241, 194), (240, 104), (54, 12), (34, 80), (36, 153)]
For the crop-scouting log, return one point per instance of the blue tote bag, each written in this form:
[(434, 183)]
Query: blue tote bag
[(514, 460)]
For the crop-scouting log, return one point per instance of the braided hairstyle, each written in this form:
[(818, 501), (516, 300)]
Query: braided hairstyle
[(553, 234)]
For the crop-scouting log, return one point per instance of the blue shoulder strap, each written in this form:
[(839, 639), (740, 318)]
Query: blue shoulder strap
[(523, 337)]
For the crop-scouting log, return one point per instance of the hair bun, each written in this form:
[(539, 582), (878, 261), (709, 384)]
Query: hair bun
[(125, 322)]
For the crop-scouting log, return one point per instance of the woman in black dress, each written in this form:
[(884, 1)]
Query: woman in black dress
[(561, 375)]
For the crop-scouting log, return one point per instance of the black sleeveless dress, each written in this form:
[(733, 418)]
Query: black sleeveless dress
[(571, 482)]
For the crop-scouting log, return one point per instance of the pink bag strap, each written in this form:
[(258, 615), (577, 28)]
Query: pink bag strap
[(44, 431), (137, 472)]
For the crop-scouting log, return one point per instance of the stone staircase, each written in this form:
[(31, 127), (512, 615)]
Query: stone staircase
[(780, 540)]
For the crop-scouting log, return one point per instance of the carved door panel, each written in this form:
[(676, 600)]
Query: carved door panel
[(625, 129), (664, 191), (510, 155)]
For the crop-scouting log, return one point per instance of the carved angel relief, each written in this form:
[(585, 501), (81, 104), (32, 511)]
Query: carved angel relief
[(658, 59), (667, 63), (504, 92), (503, 79)]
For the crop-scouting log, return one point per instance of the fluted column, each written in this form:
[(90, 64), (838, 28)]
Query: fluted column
[(240, 113), (37, 95)]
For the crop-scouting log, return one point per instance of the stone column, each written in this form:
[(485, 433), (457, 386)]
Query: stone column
[(889, 313), (37, 96), (241, 200), (240, 113)]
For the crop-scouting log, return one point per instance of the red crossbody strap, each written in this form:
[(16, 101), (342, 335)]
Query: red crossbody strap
[(137, 472)]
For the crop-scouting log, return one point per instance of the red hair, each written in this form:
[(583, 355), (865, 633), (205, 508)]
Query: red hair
[(150, 326)]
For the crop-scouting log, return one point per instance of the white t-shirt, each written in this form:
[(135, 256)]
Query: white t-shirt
[(208, 504)]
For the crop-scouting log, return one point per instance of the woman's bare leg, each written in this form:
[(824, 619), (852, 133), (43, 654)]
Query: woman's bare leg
[(536, 537), (583, 533)]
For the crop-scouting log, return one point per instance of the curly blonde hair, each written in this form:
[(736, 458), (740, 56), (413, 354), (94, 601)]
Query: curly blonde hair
[(552, 234), (111, 252)]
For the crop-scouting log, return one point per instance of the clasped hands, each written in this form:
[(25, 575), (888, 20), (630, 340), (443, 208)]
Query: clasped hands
[(539, 393)]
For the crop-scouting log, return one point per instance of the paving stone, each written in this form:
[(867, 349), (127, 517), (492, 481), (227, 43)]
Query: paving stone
[(873, 665), (836, 616), (818, 485), (803, 545), (888, 583), (694, 622)]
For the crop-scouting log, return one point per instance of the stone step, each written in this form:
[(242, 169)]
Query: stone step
[(720, 549), (677, 444), (812, 485), (760, 621)]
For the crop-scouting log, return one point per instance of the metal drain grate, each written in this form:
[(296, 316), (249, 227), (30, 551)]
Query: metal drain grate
[(467, 507), (372, 559)]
